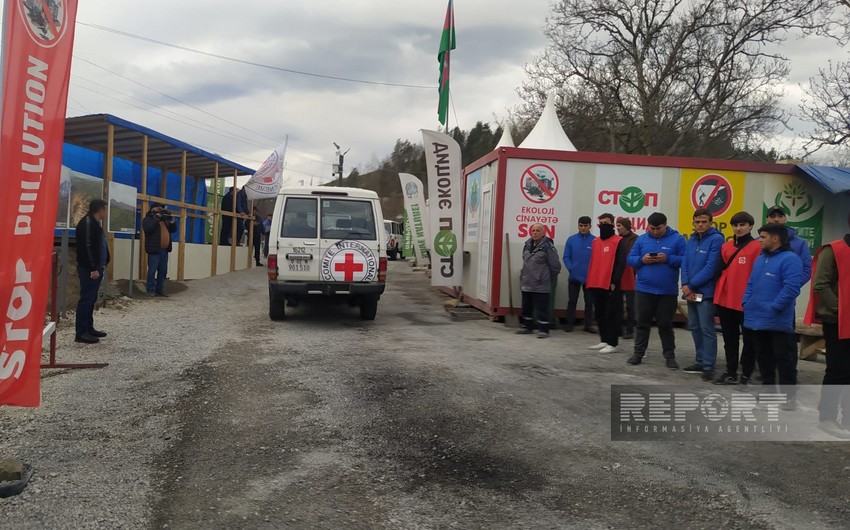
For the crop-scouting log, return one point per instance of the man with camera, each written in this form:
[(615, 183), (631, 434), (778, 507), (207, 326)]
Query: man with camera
[(158, 225)]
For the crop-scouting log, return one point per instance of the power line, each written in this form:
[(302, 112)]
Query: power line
[(251, 63), (175, 99)]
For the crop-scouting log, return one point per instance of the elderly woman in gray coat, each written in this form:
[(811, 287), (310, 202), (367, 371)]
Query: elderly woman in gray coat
[(540, 265)]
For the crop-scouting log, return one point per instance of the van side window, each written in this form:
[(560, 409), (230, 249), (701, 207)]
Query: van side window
[(348, 219), (299, 218)]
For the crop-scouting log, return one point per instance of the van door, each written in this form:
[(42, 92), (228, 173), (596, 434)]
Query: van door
[(350, 242), (298, 253)]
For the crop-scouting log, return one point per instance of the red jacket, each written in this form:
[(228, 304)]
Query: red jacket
[(842, 258), (601, 271), (729, 290)]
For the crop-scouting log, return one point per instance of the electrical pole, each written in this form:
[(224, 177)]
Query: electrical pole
[(341, 158)]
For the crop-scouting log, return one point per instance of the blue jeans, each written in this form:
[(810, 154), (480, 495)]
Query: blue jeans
[(88, 298), (701, 324), (157, 268)]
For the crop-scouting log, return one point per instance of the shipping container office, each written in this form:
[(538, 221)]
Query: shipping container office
[(511, 188)]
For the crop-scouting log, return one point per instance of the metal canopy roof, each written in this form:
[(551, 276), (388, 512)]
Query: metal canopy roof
[(163, 151)]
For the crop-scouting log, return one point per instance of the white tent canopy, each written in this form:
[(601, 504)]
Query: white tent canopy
[(506, 140), (548, 133)]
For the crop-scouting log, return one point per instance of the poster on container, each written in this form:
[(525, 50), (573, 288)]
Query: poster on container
[(722, 192), (538, 192), (803, 202), (472, 220), (632, 192)]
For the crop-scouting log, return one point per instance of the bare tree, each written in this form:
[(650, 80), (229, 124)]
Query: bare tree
[(670, 77), (828, 108)]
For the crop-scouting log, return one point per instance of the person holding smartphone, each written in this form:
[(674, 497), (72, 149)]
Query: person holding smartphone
[(656, 257), (702, 253)]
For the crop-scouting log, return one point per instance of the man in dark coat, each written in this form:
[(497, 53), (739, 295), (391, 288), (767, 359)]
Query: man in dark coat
[(540, 265), (226, 220), (92, 257), (158, 225), (241, 207)]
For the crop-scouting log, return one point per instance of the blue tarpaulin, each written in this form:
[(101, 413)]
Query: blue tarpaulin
[(834, 179)]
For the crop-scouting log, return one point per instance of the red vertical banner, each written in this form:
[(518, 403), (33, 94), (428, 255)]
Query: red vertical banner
[(38, 39)]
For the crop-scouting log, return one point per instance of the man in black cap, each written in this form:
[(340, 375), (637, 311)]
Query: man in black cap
[(158, 226), (776, 214)]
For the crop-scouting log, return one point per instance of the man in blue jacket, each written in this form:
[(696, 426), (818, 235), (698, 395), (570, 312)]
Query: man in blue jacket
[(656, 257), (776, 214), (702, 253), (768, 303), (576, 259)]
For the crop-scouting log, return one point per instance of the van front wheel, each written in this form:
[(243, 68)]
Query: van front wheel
[(368, 308)]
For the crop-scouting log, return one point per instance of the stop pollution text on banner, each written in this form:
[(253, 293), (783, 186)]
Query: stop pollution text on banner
[(445, 203), (37, 47), (266, 182), (417, 216)]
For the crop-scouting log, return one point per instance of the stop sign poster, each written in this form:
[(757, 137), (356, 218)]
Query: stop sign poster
[(722, 192)]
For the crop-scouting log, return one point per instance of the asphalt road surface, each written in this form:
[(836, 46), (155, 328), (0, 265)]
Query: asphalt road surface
[(416, 421)]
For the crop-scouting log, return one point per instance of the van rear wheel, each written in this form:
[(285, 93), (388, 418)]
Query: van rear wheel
[(277, 309), (368, 308)]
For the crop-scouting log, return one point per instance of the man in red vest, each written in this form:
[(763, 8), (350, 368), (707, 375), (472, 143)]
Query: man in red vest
[(829, 304), (607, 263), (627, 284), (736, 263)]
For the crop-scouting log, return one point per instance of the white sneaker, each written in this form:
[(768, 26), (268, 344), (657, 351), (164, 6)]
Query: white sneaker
[(608, 349), (599, 346)]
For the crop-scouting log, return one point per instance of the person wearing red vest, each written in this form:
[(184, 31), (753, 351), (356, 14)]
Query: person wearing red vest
[(829, 304), (627, 283), (736, 263), (607, 263)]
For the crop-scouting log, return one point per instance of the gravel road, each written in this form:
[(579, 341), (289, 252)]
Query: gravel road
[(211, 416)]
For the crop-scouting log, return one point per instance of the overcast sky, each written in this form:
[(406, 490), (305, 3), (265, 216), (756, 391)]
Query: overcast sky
[(243, 111)]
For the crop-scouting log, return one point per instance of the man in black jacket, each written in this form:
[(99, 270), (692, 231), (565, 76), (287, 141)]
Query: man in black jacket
[(92, 257), (158, 225)]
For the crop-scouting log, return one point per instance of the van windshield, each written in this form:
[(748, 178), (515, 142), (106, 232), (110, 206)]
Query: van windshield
[(348, 219)]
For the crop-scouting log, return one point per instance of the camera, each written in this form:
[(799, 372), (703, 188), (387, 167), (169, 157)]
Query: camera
[(164, 214)]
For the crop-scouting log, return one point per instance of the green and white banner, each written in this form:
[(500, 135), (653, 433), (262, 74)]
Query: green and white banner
[(417, 217), (442, 157), (803, 204)]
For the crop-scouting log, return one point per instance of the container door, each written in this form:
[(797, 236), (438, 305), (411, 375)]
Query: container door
[(298, 242), (350, 242)]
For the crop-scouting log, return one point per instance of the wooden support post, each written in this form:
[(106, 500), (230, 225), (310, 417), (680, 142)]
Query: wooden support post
[(143, 262), (181, 251), (107, 178), (215, 223), (233, 228)]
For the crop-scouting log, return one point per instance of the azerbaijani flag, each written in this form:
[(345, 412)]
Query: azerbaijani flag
[(447, 43)]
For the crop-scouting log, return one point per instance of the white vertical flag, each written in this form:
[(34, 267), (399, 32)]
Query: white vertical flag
[(266, 182), (442, 157), (417, 215)]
